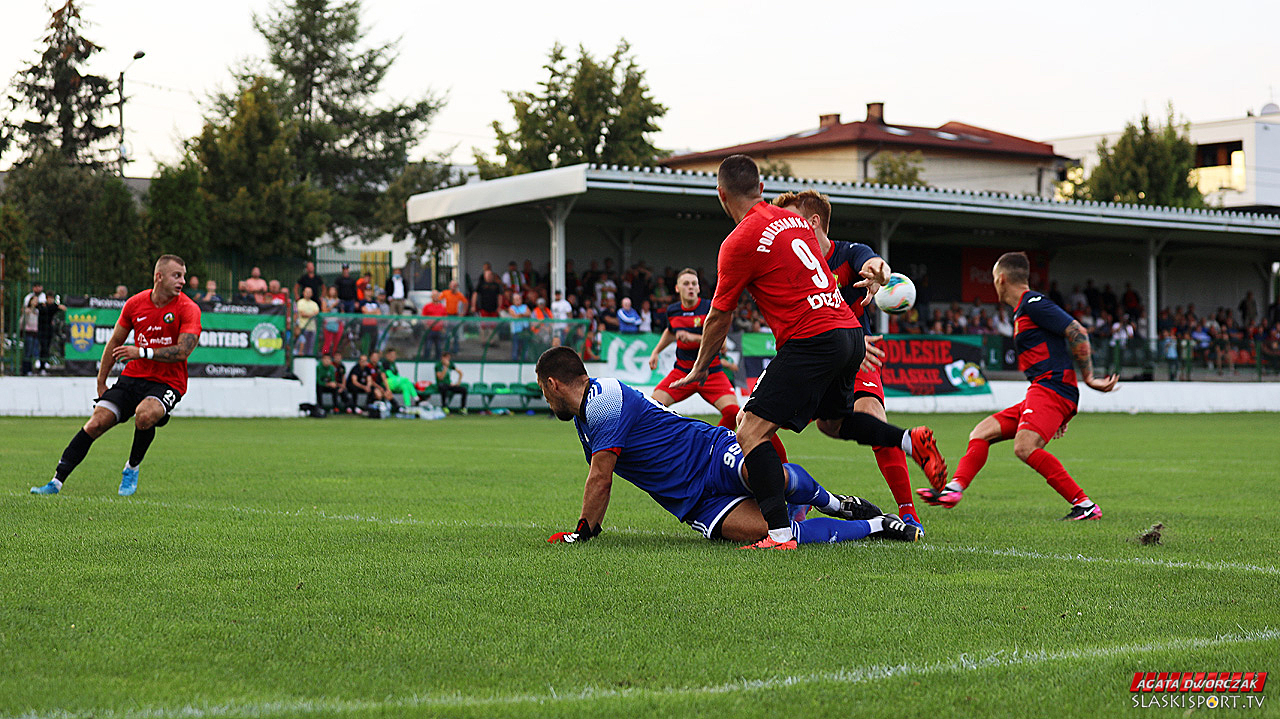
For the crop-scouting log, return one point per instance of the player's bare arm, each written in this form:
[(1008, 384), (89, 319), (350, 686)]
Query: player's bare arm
[(714, 330), (1082, 356), (595, 496), (666, 339), (118, 337), (179, 352)]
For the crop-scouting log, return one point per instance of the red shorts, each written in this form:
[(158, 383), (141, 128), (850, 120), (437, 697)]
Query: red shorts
[(868, 384), (1043, 411), (715, 386)]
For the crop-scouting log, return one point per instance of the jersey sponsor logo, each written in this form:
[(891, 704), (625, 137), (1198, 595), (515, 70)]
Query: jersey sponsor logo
[(825, 299)]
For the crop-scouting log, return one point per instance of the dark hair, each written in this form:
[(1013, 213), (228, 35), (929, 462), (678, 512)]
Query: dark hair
[(806, 204), (1015, 267), (738, 175), (562, 363)]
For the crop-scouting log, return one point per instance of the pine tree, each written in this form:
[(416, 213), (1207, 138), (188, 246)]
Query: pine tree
[(63, 106), (417, 177)]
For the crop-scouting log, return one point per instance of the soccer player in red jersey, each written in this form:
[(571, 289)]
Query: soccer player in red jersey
[(1049, 342), (773, 253), (166, 327), (684, 327), (857, 267)]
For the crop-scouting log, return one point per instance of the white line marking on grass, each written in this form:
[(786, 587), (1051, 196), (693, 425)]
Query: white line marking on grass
[(855, 675), (463, 523)]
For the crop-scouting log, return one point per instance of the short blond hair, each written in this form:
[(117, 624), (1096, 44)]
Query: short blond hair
[(808, 203)]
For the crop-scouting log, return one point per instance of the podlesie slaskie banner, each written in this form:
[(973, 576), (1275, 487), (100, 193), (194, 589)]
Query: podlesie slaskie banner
[(913, 364), (235, 340)]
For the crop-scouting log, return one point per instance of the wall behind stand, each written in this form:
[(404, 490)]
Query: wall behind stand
[(73, 397)]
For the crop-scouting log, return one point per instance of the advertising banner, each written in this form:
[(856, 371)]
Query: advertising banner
[(235, 340), (913, 364), (627, 357)]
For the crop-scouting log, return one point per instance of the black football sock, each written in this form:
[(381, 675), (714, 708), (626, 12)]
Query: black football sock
[(766, 480), (73, 455), (866, 429), (141, 442)]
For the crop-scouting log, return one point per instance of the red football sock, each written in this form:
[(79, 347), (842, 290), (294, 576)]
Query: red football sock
[(893, 465), (972, 462), (777, 446), (729, 417), (1056, 475)]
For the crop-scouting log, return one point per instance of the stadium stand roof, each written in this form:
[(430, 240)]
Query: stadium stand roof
[(633, 196)]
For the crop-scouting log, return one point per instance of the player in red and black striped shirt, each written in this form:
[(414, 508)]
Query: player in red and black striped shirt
[(165, 325), (1053, 349), (684, 327)]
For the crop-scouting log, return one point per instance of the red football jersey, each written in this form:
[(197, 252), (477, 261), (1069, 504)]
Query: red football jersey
[(773, 253), (158, 327)]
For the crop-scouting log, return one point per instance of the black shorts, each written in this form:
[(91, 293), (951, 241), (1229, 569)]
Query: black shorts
[(810, 378), (127, 393)]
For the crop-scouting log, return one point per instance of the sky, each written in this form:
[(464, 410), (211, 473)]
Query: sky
[(728, 72)]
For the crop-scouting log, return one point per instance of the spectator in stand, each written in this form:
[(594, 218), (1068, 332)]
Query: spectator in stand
[(1000, 323), (1077, 297), (397, 291), (37, 291), (1169, 351), (122, 292), (1270, 350), (571, 282), (511, 277), (243, 295), (192, 289), (1093, 298), (1110, 302), (540, 328), (329, 381), (485, 300), (368, 340), (528, 277), (276, 294), (305, 312), (309, 278), (332, 328), (590, 330), (346, 286), (48, 316), (455, 303), (608, 316), (561, 309), (445, 385), (628, 318), (435, 330), (384, 307), (364, 288), (1248, 308), (607, 289), (1130, 301), (519, 330), (1055, 295), (646, 317), (31, 335), (256, 286), (210, 295)]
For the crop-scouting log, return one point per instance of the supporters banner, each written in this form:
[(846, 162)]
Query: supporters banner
[(913, 364), (235, 340), (627, 357)]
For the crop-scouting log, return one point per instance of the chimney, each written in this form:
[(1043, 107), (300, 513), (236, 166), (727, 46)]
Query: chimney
[(875, 112), (828, 120)]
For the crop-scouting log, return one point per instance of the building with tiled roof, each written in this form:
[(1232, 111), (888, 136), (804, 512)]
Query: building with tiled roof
[(955, 155)]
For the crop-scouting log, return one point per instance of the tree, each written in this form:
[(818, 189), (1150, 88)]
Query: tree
[(775, 168), (417, 177), (257, 203), (117, 250), (177, 221), (55, 198), (1149, 165), (585, 111), (326, 79), (13, 245), (66, 105), (900, 168)]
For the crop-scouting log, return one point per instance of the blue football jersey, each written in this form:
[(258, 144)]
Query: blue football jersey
[(846, 260), (662, 453), (1043, 355)]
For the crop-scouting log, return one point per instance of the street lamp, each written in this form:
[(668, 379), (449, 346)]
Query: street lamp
[(123, 155)]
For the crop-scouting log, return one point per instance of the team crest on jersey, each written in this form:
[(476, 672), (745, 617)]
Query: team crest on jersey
[(697, 321), (81, 330), (168, 317)]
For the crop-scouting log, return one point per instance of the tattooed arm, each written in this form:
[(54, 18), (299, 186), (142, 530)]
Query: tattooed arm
[(187, 342), (1082, 356)]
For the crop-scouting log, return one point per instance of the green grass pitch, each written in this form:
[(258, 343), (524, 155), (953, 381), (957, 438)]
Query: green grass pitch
[(358, 568)]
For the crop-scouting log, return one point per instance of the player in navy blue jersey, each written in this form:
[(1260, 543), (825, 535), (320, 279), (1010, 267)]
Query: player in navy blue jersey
[(694, 470), (1053, 350), (859, 273), (684, 328)]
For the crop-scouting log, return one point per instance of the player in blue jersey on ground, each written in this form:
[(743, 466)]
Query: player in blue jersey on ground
[(1053, 349), (694, 470)]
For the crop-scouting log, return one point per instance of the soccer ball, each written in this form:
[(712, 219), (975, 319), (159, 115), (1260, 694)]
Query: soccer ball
[(898, 296)]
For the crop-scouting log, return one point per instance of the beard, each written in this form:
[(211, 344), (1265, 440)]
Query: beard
[(564, 415)]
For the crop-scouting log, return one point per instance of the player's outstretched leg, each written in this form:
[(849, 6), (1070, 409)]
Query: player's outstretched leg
[(916, 442), (802, 488), (893, 466), (989, 430), (102, 420), (142, 439), (821, 530), (1029, 446)]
